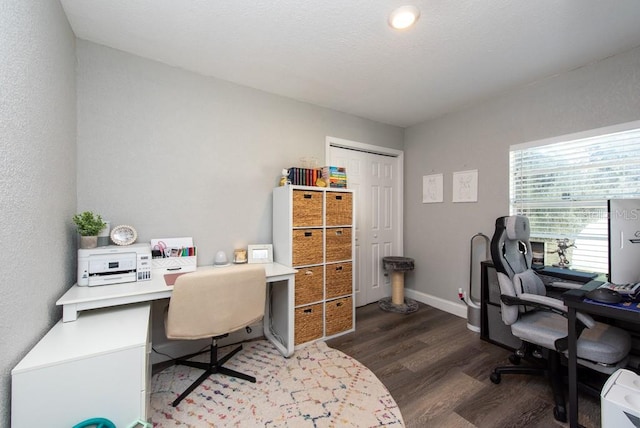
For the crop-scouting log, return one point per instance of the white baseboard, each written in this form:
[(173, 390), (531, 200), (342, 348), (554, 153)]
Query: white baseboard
[(457, 309)]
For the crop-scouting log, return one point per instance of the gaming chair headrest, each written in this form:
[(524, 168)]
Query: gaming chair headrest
[(509, 245), (517, 228)]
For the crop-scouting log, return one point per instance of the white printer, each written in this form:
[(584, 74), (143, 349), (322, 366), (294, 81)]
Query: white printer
[(620, 400), (114, 264)]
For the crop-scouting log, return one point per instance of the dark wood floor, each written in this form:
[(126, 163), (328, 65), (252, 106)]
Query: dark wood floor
[(437, 370)]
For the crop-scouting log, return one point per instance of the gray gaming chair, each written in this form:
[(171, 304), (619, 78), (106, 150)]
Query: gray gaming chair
[(540, 321)]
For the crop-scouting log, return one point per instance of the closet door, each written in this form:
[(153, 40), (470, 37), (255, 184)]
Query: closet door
[(376, 180)]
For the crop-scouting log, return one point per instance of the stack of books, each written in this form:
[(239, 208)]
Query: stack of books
[(303, 176), (336, 176)]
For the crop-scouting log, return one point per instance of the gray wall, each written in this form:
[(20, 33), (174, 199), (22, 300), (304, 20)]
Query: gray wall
[(438, 235), (174, 153), (37, 177)]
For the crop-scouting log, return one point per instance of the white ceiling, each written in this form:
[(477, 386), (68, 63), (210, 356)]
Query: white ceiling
[(341, 54)]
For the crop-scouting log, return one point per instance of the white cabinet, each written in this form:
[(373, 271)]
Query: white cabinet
[(94, 367), (313, 231)]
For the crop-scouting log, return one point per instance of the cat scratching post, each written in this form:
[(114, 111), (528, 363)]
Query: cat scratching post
[(398, 303)]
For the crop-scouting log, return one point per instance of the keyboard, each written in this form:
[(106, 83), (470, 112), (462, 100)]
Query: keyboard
[(554, 281), (568, 275), (625, 289)]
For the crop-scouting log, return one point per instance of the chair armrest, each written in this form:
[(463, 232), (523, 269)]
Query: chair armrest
[(566, 285), (550, 304)]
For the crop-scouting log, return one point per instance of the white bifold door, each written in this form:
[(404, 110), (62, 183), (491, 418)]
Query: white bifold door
[(375, 175)]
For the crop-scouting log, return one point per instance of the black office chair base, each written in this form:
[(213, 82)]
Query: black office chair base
[(212, 367), (552, 371)]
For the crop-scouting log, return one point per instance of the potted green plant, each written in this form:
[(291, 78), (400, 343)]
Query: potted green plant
[(89, 226)]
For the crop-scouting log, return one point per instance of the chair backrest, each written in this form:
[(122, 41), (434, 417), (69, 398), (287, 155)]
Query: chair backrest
[(510, 246), (216, 301), (512, 256)]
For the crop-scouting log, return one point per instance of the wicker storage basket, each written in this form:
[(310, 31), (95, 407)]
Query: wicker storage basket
[(338, 244), (308, 323), (339, 208), (339, 280), (307, 208), (307, 247), (309, 285), (339, 315)]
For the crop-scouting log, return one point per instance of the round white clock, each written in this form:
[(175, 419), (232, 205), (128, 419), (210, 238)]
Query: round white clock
[(124, 235)]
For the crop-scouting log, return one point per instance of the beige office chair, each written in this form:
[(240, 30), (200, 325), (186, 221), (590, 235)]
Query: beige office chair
[(214, 303)]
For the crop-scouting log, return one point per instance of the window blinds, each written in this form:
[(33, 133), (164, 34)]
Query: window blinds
[(563, 184)]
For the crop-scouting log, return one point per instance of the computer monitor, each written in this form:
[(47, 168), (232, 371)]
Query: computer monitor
[(624, 240)]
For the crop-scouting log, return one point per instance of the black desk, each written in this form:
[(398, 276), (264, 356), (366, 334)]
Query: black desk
[(574, 301)]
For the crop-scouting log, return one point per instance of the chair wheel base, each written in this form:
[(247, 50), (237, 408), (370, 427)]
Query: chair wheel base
[(495, 378)]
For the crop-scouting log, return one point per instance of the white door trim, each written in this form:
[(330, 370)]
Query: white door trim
[(386, 151)]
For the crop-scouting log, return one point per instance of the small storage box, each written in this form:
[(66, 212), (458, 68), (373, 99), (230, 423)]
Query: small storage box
[(339, 280), (308, 323), (309, 285), (620, 400), (307, 208), (339, 208), (307, 247), (339, 315), (338, 244)]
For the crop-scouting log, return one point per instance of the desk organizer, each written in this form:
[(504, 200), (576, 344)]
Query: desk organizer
[(180, 255), (175, 264)]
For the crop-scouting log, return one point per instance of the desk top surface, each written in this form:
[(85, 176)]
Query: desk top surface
[(155, 288), (576, 299), (95, 333)]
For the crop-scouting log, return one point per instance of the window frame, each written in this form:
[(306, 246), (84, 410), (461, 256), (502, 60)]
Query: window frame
[(589, 212)]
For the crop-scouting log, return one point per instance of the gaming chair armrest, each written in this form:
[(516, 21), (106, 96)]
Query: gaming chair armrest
[(547, 303)]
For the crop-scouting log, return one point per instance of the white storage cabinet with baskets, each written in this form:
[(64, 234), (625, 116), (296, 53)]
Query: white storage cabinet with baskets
[(313, 231)]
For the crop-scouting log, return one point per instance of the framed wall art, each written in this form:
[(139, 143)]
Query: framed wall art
[(465, 186), (432, 188)]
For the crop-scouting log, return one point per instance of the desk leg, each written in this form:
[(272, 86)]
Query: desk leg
[(278, 316), (573, 370), (69, 313)]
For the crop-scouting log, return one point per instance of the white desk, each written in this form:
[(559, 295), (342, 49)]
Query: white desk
[(97, 366), (278, 318)]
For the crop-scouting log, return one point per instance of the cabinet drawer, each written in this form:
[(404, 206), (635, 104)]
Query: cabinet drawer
[(308, 323), (309, 285), (339, 208), (339, 315), (339, 280), (499, 332), (307, 247), (338, 244), (307, 208)]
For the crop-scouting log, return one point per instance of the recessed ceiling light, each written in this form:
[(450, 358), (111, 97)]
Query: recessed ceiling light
[(404, 17)]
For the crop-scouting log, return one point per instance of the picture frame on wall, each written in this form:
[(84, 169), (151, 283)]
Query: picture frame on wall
[(432, 186), (465, 186)]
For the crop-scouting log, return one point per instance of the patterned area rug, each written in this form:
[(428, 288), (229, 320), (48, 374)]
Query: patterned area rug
[(317, 387)]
